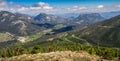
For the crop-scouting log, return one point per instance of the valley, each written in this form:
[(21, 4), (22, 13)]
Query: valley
[(85, 36)]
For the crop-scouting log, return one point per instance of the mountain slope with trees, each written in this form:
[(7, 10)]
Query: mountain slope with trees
[(17, 24), (105, 33)]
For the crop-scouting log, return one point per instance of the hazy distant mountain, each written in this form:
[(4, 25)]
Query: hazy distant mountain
[(16, 24), (86, 19), (89, 18), (68, 15), (105, 33), (79, 21), (108, 15), (45, 18)]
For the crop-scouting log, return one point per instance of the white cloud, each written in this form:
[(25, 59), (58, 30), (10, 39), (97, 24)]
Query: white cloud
[(3, 4), (9, 6), (100, 6), (22, 9), (117, 6), (1, 0), (42, 6), (35, 8), (83, 8), (47, 8), (77, 8)]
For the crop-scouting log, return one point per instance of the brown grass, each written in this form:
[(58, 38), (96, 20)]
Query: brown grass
[(55, 56)]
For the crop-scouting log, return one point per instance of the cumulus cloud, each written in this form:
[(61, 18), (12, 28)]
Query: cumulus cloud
[(77, 8), (83, 8), (117, 6), (15, 7), (3, 5), (41, 5), (9, 6), (22, 9), (47, 8), (1, 0), (100, 6)]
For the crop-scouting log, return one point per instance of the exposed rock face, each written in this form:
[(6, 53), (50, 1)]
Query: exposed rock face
[(22, 39), (6, 37), (17, 24)]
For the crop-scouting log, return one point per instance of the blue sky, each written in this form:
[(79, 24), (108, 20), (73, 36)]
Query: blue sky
[(59, 6), (68, 3)]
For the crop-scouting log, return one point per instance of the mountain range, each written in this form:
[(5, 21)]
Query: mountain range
[(94, 29), (52, 19), (16, 24), (105, 33), (19, 24), (109, 15), (91, 32)]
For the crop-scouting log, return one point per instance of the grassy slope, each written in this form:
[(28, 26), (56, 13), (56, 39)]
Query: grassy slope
[(105, 33), (55, 56)]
